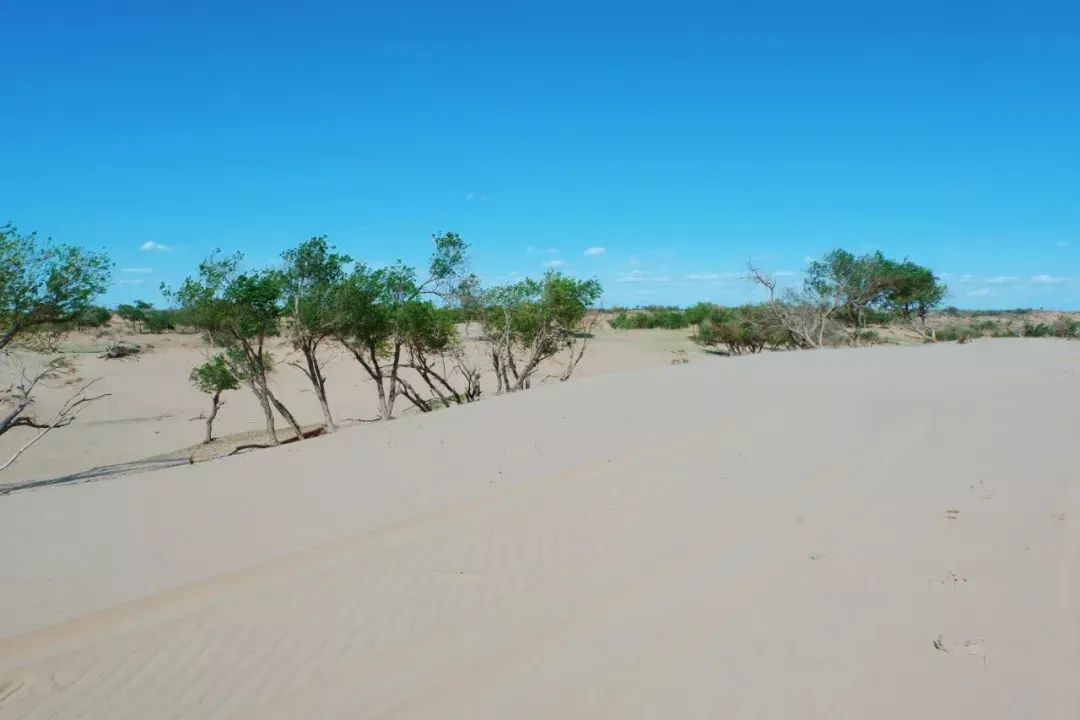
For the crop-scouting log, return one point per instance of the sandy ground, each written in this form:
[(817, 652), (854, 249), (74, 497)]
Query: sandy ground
[(879, 533), (153, 409)]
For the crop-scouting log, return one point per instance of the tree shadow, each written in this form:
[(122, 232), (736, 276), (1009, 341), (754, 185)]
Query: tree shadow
[(99, 473)]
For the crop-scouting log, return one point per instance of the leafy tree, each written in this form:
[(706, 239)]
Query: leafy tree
[(312, 276), (41, 282), (135, 315), (371, 322), (854, 284), (386, 320), (434, 351), (239, 312), (159, 320), (530, 321), (214, 377), (912, 291)]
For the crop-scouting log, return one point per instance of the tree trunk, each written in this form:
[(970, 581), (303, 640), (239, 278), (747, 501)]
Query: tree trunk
[(318, 382), (392, 395), (268, 413), (284, 411), (215, 403)]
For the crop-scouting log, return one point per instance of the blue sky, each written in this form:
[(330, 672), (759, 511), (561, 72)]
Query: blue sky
[(681, 139)]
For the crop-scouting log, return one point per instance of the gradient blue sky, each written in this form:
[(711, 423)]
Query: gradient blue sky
[(683, 139)]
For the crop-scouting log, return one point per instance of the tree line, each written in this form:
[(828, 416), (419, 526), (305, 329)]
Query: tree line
[(840, 296), (404, 327)]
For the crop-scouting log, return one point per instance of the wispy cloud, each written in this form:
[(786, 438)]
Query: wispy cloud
[(150, 246), (1047, 279), (595, 251), (473, 195), (554, 263), (137, 270), (981, 292), (1061, 244), (130, 281), (1001, 279), (641, 276)]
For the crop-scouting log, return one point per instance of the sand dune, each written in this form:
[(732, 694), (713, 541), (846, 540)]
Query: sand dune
[(885, 533), (152, 409)]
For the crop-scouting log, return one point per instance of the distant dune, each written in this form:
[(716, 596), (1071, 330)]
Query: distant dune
[(876, 533)]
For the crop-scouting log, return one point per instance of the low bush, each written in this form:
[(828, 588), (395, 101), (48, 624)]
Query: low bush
[(745, 330)]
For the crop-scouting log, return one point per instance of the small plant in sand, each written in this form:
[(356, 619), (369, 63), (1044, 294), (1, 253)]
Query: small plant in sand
[(214, 377)]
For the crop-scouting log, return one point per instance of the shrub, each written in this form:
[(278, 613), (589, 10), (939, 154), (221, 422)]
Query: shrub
[(159, 321), (94, 316), (737, 331)]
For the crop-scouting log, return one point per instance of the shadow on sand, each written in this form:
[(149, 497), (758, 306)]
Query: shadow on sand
[(98, 473)]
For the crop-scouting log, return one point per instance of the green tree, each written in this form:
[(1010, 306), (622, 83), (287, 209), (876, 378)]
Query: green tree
[(855, 284), (387, 321), (42, 282), (912, 292), (311, 278), (371, 322), (528, 322), (239, 312), (135, 315), (214, 377)]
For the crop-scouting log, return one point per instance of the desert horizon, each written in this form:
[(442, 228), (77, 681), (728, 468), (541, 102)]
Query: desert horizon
[(486, 360)]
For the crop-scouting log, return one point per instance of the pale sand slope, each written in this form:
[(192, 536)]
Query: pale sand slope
[(764, 537)]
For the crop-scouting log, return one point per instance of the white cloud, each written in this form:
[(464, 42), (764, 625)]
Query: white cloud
[(595, 251), (784, 273), (137, 271), (470, 195), (150, 245), (965, 277), (130, 281), (554, 263), (1047, 279), (981, 292), (1000, 279), (641, 276)]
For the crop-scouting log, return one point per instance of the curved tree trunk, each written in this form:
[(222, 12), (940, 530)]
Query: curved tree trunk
[(215, 403), (284, 411)]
